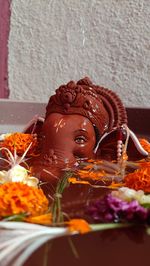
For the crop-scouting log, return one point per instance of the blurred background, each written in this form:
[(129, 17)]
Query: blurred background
[(53, 41)]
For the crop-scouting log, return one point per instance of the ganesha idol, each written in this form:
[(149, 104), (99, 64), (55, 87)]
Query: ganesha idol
[(82, 121)]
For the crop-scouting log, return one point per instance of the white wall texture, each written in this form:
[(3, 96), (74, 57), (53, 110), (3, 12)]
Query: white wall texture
[(54, 41)]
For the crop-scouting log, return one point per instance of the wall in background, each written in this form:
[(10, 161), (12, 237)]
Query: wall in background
[(4, 32), (52, 42)]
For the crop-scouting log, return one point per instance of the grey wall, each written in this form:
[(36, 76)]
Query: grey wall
[(53, 41)]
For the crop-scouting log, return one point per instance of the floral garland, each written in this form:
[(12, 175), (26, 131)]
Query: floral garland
[(21, 198), (21, 195)]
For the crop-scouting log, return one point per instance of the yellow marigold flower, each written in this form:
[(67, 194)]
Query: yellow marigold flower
[(20, 142), (17, 198), (78, 225), (139, 179)]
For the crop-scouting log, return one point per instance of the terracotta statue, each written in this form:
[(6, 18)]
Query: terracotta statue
[(82, 121)]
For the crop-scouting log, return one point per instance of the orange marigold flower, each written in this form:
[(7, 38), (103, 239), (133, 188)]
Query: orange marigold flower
[(79, 225), (73, 180), (145, 144), (45, 219), (17, 198), (20, 142), (144, 164), (94, 175), (139, 179), (115, 185)]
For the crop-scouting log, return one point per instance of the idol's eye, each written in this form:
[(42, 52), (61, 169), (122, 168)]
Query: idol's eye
[(80, 139)]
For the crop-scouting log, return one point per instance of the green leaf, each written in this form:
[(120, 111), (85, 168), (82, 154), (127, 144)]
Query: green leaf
[(15, 217)]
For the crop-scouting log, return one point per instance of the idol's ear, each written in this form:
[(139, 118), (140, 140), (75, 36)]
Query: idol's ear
[(34, 126), (110, 145)]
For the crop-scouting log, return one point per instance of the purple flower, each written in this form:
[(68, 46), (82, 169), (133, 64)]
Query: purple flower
[(116, 204), (136, 212), (113, 209)]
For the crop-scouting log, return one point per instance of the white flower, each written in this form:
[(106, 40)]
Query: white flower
[(31, 181), (4, 136), (129, 194), (18, 174), (124, 193), (145, 199), (2, 177), (138, 196)]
